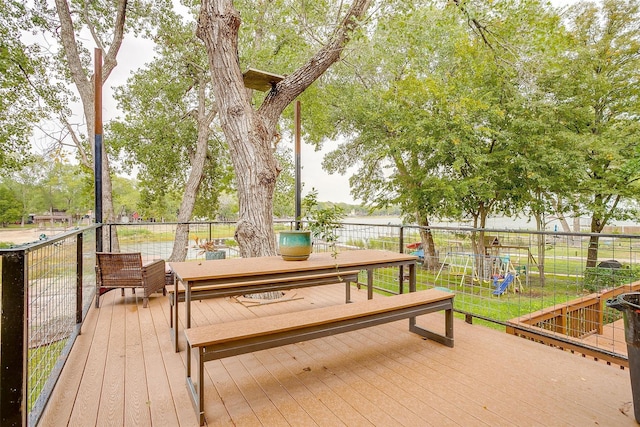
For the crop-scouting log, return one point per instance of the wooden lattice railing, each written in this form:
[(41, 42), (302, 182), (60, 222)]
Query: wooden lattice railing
[(576, 319)]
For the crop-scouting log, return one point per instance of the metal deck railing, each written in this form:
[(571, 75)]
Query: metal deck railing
[(536, 284)]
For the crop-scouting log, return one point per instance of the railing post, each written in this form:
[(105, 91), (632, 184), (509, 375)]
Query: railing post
[(600, 314), (13, 351), (401, 269), (79, 268), (562, 325), (110, 228)]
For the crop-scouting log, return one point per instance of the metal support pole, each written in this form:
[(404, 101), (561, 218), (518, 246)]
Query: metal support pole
[(97, 167), (297, 166)]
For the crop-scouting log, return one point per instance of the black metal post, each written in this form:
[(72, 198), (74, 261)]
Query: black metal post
[(13, 335), (401, 272), (79, 267)]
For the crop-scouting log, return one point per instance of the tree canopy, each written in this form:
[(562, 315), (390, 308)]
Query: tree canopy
[(24, 89)]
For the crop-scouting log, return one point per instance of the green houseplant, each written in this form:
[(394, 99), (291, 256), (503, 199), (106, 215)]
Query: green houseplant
[(321, 223)]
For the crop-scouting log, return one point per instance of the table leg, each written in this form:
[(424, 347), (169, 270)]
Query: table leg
[(412, 277), (174, 330), (369, 283), (187, 305), (412, 288)]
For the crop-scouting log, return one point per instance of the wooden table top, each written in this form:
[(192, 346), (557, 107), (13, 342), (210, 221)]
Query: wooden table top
[(259, 266)]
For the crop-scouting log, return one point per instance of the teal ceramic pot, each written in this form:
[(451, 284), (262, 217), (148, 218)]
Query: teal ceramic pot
[(295, 245), (215, 255)]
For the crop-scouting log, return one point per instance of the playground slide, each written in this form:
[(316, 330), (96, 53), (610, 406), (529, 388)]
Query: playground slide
[(501, 287)]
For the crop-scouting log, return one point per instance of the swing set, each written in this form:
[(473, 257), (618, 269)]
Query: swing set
[(498, 269)]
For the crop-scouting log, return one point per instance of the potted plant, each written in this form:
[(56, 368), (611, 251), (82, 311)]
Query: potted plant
[(322, 223), (209, 248)]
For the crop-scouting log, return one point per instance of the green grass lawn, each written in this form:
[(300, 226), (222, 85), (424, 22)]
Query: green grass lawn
[(476, 297)]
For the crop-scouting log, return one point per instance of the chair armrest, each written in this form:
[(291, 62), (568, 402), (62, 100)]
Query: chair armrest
[(153, 273)]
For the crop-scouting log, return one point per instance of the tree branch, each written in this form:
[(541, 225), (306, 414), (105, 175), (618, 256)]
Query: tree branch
[(68, 40), (78, 143), (110, 60), (295, 83), (474, 24), (92, 28)]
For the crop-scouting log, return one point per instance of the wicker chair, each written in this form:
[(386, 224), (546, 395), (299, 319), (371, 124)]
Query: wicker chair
[(125, 270)]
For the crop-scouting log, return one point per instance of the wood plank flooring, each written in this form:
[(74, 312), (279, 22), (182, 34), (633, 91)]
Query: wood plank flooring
[(123, 372)]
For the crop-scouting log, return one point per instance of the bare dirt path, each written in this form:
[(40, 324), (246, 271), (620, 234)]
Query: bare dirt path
[(19, 236)]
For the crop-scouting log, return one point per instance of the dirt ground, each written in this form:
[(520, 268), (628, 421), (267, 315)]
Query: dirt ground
[(26, 235)]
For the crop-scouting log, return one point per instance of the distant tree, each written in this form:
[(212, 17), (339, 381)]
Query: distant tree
[(24, 89), (398, 121), (126, 196), (597, 88), (429, 112), (10, 207), (24, 184), (169, 131), (228, 210)]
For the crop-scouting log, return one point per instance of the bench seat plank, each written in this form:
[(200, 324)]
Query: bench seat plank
[(240, 330), (217, 341)]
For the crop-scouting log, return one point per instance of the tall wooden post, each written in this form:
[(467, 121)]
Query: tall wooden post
[(97, 167)]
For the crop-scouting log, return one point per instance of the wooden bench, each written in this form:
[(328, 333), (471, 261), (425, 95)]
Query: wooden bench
[(217, 341), (263, 285)]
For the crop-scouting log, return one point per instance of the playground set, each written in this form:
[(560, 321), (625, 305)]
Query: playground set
[(495, 266)]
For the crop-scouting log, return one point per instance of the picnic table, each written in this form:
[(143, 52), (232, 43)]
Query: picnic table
[(240, 276)]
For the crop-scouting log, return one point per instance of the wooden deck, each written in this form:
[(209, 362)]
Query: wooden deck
[(612, 338), (123, 372)]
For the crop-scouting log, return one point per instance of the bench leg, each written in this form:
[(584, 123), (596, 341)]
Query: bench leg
[(170, 311), (348, 291), (446, 339), (174, 323), (196, 391)]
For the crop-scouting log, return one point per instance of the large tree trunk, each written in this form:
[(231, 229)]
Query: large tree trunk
[(598, 222), (592, 251), (541, 244), (248, 137), (431, 261), (108, 212), (482, 262), (576, 223), (250, 134)]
